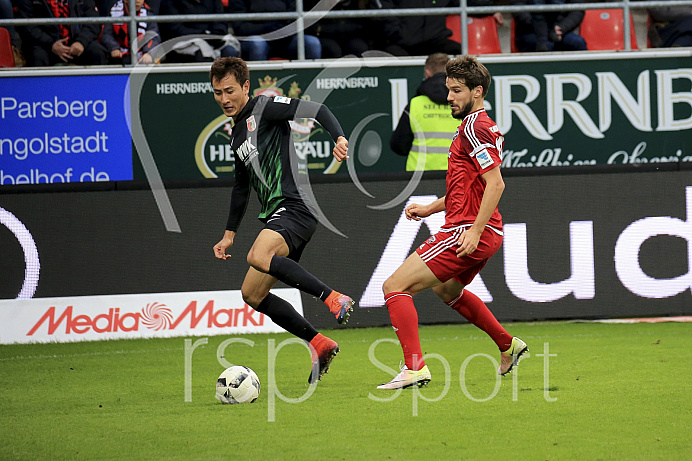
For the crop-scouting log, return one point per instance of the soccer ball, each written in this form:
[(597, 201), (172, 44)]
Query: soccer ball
[(237, 384)]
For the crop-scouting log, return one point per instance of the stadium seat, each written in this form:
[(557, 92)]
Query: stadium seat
[(483, 36), (6, 55), (603, 30), (513, 36)]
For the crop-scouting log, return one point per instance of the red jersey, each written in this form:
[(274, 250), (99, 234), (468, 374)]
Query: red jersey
[(476, 149)]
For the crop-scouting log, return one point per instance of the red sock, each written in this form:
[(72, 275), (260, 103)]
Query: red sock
[(475, 311), (404, 319)]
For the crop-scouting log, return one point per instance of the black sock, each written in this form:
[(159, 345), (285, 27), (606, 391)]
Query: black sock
[(293, 274), (283, 314)]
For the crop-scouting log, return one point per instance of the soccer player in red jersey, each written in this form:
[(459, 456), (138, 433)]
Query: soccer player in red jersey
[(472, 233)]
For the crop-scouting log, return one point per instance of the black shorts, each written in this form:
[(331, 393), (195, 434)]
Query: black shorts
[(295, 223)]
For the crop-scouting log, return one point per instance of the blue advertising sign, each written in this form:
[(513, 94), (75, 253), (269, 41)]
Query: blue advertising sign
[(64, 129)]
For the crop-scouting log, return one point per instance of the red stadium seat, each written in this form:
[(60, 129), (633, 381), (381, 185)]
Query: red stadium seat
[(483, 36), (603, 30), (513, 36), (6, 55)]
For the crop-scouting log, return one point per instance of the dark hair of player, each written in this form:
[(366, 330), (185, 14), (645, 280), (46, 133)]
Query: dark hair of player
[(468, 70), (230, 65)]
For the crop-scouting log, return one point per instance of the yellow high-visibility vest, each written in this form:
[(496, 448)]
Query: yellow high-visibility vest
[(433, 128)]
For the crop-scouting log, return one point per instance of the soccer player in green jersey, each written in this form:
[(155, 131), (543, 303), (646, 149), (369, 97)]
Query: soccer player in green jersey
[(262, 144)]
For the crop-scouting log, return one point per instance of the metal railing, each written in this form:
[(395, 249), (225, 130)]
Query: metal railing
[(301, 17)]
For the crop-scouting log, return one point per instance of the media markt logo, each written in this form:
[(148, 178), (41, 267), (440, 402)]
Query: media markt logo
[(156, 316)]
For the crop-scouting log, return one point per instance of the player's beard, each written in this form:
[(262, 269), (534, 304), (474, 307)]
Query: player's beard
[(463, 112)]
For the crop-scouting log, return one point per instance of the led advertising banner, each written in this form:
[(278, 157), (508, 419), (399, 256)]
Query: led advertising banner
[(575, 246), (189, 135), (595, 109), (150, 315), (64, 129), (562, 113)]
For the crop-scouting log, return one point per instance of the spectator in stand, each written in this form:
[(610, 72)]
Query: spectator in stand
[(46, 45), (426, 126), (197, 49), (105, 6), (552, 31), (670, 26), (262, 40), (419, 35), (341, 37), (6, 12), (116, 39)]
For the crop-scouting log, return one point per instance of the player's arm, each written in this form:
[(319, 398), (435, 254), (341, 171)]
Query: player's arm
[(281, 108), (494, 186), (416, 211), (326, 118), (239, 201)]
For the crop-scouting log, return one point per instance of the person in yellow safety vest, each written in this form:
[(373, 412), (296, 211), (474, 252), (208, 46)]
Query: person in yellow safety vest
[(426, 127)]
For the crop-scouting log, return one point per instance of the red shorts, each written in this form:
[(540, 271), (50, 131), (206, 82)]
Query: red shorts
[(439, 252)]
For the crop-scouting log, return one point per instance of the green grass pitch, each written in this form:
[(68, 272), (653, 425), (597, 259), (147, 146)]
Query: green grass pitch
[(603, 391)]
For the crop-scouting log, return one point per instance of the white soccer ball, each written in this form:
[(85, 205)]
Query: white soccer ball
[(237, 384)]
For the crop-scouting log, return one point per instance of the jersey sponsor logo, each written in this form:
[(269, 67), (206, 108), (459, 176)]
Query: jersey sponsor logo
[(484, 159), (251, 123), (247, 151), (282, 99)]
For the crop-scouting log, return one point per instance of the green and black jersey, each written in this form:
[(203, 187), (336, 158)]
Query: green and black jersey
[(263, 147)]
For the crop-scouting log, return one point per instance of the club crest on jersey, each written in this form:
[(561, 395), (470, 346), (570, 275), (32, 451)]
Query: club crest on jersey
[(251, 123)]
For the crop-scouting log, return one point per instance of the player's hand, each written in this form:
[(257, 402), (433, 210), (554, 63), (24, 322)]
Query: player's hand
[(340, 151), (415, 212), (117, 54), (61, 50), (468, 242), (225, 243)]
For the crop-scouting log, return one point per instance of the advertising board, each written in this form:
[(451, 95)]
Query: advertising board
[(62, 129), (576, 246)]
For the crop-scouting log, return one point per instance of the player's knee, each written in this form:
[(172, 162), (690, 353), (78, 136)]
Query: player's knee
[(258, 260), (251, 298), (389, 286), (444, 293)]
